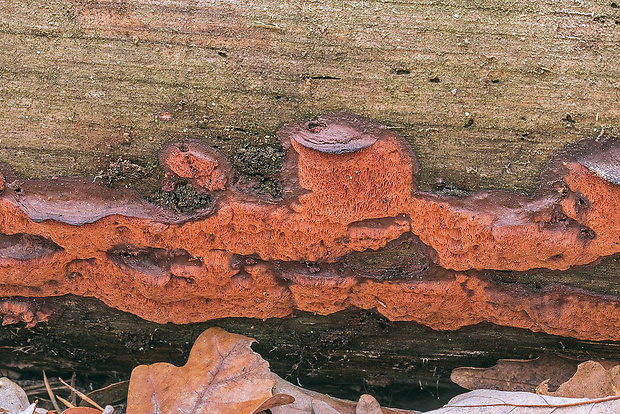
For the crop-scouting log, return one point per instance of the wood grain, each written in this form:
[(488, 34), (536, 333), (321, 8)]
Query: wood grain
[(78, 75)]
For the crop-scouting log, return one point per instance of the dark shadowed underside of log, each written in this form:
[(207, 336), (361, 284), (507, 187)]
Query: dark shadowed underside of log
[(345, 354)]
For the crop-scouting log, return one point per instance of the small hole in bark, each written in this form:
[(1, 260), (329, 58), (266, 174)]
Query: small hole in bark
[(558, 217), (402, 72), (74, 275), (222, 54), (325, 77), (614, 5), (587, 234), (316, 126), (570, 121), (582, 204), (434, 80), (468, 123)]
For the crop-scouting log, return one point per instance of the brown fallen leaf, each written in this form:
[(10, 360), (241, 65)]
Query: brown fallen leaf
[(505, 402), (222, 376), (311, 402), (321, 407), (304, 400), (81, 410), (367, 404), (593, 379), (109, 395), (275, 401), (13, 399), (517, 375)]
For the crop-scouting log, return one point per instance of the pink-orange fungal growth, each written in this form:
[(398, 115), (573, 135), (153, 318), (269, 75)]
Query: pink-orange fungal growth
[(350, 188)]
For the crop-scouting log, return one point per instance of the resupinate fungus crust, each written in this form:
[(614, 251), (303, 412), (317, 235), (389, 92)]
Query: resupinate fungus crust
[(350, 191)]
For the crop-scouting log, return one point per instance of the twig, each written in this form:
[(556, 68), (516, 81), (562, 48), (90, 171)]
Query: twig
[(50, 393)]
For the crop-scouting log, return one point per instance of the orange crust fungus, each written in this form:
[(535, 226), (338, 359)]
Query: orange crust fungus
[(350, 189)]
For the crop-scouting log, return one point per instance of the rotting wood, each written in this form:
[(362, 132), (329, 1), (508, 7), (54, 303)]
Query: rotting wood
[(349, 187), (485, 92)]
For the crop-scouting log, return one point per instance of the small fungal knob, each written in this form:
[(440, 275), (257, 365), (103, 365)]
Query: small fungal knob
[(197, 163), (335, 133)]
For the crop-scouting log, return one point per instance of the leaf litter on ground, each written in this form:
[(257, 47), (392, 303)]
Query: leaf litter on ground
[(224, 376), (517, 374)]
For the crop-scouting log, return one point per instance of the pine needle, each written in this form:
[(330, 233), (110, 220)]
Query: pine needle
[(50, 393), (73, 394), (82, 395), (65, 402)]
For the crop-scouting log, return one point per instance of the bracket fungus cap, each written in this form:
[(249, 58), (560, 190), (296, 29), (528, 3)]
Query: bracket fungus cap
[(335, 133), (604, 160)]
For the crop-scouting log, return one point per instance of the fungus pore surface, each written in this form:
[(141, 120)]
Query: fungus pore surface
[(350, 195)]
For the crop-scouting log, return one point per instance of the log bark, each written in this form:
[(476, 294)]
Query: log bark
[(485, 93), (83, 82)]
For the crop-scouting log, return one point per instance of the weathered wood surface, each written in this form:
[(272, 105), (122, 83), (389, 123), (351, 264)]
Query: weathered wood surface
[(484, 91), (83, 81)]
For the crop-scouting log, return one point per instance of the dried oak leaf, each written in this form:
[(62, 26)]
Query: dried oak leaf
[(109, 395), (308, 402), (321, 407), (593, 379), (367, 404), (517, 375), (311, 402), (222, 376), (504, 402), (13, 399), (275, 401)]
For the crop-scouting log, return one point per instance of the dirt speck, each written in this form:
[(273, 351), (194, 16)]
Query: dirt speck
[(121, 170), (183, 199), (165, 116), (258, 166)]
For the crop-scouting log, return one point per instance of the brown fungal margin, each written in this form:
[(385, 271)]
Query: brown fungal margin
[(349, 187), (27, 310)]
